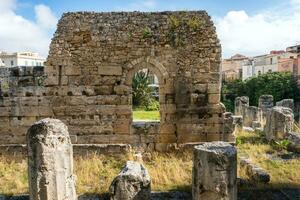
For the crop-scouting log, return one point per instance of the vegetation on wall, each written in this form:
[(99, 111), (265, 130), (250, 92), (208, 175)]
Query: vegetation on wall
[(280, 85)]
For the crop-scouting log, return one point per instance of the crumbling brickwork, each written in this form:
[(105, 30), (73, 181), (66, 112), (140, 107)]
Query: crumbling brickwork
[(92, 60)]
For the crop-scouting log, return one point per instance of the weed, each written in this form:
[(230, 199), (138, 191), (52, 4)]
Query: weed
[(147, 33)]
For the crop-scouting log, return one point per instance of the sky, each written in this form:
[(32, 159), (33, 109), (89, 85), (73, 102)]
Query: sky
[(248, 27)]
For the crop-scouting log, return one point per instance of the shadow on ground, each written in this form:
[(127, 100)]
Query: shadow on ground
[(243, 194)]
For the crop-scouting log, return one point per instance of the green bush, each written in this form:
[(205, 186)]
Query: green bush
[(152, 105), (280, 85), (141, 91)]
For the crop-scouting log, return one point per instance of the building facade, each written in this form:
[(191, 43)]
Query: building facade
[(21, 59), (294, 49), (273, 62), (232, 67)]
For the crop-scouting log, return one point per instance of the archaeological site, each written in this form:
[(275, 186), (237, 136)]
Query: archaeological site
[(80, 104), (87, 80)]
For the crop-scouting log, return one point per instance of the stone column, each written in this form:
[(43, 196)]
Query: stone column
[(229, 127), (265, 102), (239, 104), (215, 172), (280, 121), (50, 161)]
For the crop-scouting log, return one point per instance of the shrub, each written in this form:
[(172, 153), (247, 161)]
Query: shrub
[(280, 85), (152, 105)]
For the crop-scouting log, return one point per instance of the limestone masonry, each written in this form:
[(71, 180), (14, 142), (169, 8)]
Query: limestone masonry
[(86, 82)]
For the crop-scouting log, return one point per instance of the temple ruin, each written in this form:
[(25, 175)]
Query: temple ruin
[(86, 82)]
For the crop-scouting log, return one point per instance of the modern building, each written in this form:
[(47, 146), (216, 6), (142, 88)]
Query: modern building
[(232, 67), (294, 49), (21, 59), (272, 62), (1, 63), (289, 65)]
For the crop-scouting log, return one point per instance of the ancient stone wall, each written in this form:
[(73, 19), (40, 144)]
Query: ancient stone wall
[(92, 60)]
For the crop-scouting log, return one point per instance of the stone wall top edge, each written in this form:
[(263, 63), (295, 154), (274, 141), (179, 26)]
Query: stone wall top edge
[(201, 12)]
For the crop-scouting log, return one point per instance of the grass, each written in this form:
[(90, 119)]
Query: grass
[(95, 172), (168, 171), (145, 115), (284, 172)]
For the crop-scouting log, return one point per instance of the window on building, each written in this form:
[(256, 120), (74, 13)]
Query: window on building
[(270, 71), (259, 72), (12, 63), (271, 61)]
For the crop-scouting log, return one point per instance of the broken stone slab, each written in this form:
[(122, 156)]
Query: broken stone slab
[(251, 114), (133, 182), (50, 161), (255, 173), (215, 171), (294, 142), (229, 127), (279, 122), (289, 103), (238, 121), (266, 102), (239, 103)]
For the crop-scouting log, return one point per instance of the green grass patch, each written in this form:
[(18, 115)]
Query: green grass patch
[(284, 173), (145, 115)]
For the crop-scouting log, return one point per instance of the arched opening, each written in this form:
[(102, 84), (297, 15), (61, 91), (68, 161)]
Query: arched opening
[(145, 96)]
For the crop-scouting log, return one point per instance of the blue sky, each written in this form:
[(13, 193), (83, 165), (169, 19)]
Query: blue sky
[(249, 27), (214, 7)]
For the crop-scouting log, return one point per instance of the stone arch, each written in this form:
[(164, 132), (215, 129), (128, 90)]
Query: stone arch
[(156, 68), (150, 63)]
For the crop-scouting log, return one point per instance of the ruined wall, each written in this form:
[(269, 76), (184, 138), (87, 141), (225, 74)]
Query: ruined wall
[(92, 60)]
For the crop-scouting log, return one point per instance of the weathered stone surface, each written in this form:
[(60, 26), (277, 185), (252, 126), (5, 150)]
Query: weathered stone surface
[(215, 171), (239, 103), (132, 183), (289, 103), (252, 116), (265, 102), (229, 127), (279, 122), (294, 141), (255, 173), (87, 79), (50, 161)]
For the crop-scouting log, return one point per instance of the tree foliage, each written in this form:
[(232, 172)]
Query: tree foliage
[(140, 86), (280, 85)]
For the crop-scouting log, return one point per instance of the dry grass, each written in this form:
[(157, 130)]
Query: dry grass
[(284, 172), (171, 171), (96, 172)]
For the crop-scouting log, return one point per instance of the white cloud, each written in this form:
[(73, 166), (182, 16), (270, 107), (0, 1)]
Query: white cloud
[(260, 33), (45, 17), (20, 34), (7, 5)]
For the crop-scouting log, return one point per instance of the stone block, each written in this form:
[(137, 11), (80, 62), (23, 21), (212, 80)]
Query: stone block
[(50, 161), (289, 103), (214, 98), (110, 70), (72, 71), (132, 183), (215, 171), (279, 122), (255, 173)]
